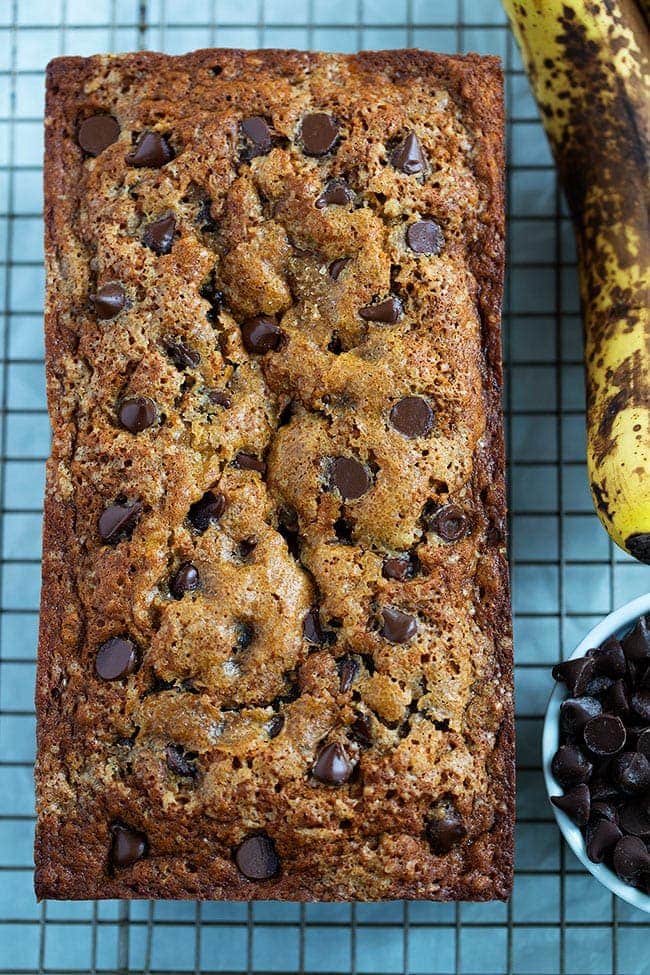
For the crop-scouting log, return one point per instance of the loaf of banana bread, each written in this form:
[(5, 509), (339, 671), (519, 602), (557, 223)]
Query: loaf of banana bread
[(275, 653)]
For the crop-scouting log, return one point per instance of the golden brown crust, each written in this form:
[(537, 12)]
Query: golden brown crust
[(439, 706)]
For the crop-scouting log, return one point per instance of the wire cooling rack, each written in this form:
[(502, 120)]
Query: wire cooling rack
[(565, 572)]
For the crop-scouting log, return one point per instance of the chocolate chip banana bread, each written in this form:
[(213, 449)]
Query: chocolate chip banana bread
[(275, 655)]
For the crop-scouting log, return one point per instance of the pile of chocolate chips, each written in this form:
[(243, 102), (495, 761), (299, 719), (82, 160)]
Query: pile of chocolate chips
[(603, 762)]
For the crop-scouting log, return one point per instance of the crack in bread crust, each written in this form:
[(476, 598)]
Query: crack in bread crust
[(428, 657)]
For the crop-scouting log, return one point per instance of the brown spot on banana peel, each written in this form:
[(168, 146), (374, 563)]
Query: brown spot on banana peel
[(600, 499), (633, 385)]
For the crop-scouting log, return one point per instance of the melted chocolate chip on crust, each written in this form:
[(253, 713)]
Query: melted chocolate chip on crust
[(128, 846), (158, 235), (261, 334), (332, 765), (256, 858), (337, 266), (318, 133), (387, 312), (249, 462), (137, 413), (450, 522), (425, 237), (336, 193), (408, 156), (206, 511), (116, 658), (118, 521), (445, 831), (257, 137), (349, 477), (412, 416), (151, 150), (97, 133), (398, 627), (185, 579), (109, 300)]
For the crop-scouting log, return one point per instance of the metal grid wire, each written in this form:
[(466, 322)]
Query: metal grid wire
[(565, 572)]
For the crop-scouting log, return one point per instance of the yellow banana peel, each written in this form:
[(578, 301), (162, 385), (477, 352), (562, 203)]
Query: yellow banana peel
[(589, 66)]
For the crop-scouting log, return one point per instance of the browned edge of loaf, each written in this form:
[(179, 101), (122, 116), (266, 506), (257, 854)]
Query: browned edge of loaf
[(475, 83)]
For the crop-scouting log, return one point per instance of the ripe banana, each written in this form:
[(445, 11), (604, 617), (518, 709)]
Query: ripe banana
[(589, 65)]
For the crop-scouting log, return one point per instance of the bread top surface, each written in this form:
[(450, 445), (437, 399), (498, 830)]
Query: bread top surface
[(274, 539)]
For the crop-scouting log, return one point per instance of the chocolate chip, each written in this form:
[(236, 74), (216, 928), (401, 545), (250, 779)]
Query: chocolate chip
[(576, 711), (643, 743), (388, 311), (257, 136), (640, 704), (118, 521), (245, 635), (616, 698), (109, 300), (332, 765), (206, 511), (445, 831), (634, 818), (450, 522), (97, 133), (185, 579), (336, 193), (261, 334), (349, 477), (398, 627), (178, 761), (408, 156), (151, 150), (636, 645), (249, 462), (311, 628), (318, 133), (570, 766), (348, 668), (601, 790), (399, 567), (631, 859), (600, 838), (159, 234), (631, 772), (275, 725), (288, 527), (599, 685), (425, 237), (220, 398), (412, 416), (247, 546), (256, 858), (604, 735), (361, 730), (604, 810), (182, 355), (128, 846), (137, 413), (576, 803), (116, 658), (575, 673), (337, 266), (610, 659)]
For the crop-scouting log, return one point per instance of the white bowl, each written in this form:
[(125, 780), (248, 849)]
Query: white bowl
[(616, 624)]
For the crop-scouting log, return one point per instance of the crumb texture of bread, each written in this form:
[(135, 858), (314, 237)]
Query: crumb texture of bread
[(275, 656)]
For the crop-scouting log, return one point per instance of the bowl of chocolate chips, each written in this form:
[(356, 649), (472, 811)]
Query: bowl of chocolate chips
[(596, 751)]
